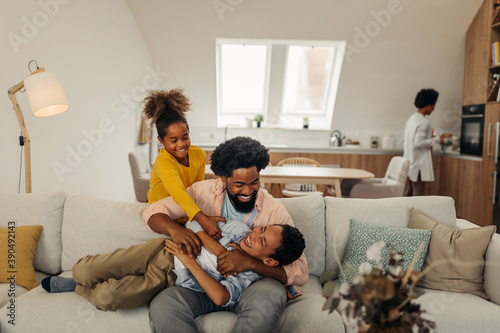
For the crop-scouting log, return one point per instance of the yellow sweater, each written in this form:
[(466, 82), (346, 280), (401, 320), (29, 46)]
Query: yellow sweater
[(170, 178)]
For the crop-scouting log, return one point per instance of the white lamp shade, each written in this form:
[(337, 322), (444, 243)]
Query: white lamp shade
[(45, 94)]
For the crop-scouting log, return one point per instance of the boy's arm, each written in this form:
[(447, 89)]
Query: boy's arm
[(230, 262), (185, 238), (216, 291), (210, 243)]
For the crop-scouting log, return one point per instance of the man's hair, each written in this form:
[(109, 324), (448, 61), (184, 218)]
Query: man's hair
[(426, 97), (237, 153), (292, 245)]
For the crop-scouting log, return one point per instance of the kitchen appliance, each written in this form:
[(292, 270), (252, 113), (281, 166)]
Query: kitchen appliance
[(336, 138), (471, 140)]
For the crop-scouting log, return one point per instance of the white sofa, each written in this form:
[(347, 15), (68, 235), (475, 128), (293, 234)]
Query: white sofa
[(76, 225)]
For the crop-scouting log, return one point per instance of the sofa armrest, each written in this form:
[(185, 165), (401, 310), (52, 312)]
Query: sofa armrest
[(492, 264), (492, 269), (464, 224), (372, 191)]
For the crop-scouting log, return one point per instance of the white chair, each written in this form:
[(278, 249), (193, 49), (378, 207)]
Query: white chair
[(392, 185), (141, 170), (299, 190)]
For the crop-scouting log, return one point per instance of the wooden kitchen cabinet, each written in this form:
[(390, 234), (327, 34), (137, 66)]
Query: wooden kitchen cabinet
[(487, 183), (460, 178), (470, 182), (479, 86)]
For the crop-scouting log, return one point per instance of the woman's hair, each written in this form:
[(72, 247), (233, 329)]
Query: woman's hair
[(426, 97), (239, 152), (165, 108)]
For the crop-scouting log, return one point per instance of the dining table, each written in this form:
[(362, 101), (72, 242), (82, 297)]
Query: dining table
[(308, 175)]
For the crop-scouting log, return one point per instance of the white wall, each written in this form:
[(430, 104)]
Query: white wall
[(100, 56), (104, 52), (419, 44)]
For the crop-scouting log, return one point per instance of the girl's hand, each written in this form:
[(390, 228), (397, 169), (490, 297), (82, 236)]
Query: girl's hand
[(209, 224)]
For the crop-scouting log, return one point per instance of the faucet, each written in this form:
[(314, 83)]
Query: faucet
[(225, 129)]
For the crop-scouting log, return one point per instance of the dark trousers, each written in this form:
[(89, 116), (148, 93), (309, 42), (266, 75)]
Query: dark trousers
[(414, 188), (259, 308)]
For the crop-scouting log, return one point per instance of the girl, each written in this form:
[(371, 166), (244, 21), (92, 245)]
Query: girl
[(178, 164)]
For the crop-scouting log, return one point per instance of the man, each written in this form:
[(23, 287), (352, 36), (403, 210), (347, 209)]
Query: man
[(418, 140), (235, 195)]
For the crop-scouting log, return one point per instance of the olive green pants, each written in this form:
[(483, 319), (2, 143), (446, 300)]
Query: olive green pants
[(125, 278)]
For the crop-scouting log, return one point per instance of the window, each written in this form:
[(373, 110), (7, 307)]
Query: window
[(283, 80)]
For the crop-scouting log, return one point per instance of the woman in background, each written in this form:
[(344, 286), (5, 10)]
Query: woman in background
[(179, 164)]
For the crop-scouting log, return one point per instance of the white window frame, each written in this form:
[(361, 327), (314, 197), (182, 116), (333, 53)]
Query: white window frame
[(237, 117), (275, 115)]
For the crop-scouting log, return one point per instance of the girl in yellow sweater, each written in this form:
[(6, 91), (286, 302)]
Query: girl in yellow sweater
[(178, 164)]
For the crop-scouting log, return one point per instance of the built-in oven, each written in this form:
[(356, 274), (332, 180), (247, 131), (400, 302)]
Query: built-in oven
[(471, 136)]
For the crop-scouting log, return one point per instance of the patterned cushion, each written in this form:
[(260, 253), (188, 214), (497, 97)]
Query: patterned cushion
[(364, 234)]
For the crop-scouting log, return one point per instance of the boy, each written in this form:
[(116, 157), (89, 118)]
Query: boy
[(109, 283)]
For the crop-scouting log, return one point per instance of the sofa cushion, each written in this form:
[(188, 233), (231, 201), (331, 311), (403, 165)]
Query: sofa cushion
[(364, 234), (17, 251), (92, 226), (492, 270), (449, 248), (308, 215), (388, 211), (305, 314), (302, 314), (43, 312), (459, 312), (38, 209)]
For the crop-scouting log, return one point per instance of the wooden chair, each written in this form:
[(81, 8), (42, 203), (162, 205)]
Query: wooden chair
[(299, 190)]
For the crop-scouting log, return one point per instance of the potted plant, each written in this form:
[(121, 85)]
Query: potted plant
[(259, 118)]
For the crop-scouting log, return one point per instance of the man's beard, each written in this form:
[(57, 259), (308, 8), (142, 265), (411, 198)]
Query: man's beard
[(243, 207)]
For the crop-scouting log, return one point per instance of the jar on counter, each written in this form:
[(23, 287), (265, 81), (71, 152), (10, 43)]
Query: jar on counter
[(387, 142), (374, 142), (305, 123)]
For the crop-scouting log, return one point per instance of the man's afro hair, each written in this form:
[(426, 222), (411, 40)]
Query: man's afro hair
[(237, 153)]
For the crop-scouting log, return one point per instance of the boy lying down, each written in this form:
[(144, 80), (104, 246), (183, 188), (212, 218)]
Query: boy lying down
[(112, 281)]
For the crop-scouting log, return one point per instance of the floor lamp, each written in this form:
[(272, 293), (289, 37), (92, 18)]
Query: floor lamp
[(46, 98)]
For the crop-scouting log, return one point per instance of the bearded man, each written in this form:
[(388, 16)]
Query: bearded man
[(236, 195)]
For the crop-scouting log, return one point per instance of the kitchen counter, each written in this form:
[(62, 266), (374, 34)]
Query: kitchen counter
[(351, 149), (318, 149), (457, 154)]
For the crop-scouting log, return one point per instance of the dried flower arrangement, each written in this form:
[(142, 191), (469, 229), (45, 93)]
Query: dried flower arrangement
[(379, 300)]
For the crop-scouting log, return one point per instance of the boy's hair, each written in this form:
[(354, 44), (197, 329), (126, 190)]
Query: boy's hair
[(239, 152), (292, 245), (426, 97), (165, 108)]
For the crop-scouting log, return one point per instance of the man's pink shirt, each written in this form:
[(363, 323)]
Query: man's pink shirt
[(209, 196)]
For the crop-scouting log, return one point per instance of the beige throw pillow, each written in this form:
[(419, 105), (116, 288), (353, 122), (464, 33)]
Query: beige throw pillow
[(458, 256)]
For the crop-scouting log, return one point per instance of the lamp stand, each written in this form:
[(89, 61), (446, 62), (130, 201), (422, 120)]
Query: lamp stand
[(24, 130)]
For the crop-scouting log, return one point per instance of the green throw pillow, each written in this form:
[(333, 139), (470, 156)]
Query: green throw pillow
[(363, 235)]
